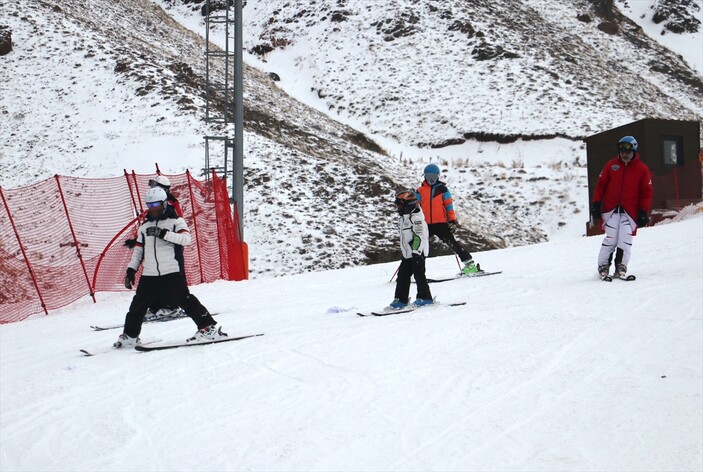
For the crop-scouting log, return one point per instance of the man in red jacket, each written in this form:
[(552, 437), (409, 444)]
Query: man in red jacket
[(622, 200)]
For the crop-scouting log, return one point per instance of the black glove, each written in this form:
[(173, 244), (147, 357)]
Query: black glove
[(130, 243), (595, 210), (642, 219), (129, 278), (157, 232), (453, 225)]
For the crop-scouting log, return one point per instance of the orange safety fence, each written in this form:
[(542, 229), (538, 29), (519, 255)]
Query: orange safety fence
[(62, 238)]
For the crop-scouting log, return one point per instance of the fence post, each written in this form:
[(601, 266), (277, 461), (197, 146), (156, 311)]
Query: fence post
[(24, 254), (136, 187), (75, 240), (131, 193), (217, 224), (195, 226)]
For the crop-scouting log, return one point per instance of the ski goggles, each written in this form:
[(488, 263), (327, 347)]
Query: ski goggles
[(431, 178), (153, 204), (625, 147)]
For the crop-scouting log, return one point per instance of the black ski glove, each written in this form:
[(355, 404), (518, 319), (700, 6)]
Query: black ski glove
[(129, 278), (157, 232), (453, 226), (130, 243), (642, 219), (595, 210)]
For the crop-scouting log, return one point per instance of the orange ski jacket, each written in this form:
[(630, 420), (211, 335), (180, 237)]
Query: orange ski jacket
[(436, 203)]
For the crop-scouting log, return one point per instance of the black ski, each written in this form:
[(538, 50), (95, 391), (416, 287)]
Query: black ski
[(606, 278), (627, 278), (481, 273), (409, 309), (161, 347)]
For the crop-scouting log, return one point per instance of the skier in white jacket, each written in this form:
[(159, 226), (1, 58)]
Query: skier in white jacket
[(160, 242), (414, 245)]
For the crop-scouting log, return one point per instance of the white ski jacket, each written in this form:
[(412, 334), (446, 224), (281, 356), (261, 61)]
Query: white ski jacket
[(414, 235), (161, 256)]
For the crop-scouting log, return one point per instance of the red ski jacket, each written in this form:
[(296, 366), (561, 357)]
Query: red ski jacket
[(627, 185)]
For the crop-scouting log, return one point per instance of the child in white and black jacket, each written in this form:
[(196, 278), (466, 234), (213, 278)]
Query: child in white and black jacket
[(414, 245)]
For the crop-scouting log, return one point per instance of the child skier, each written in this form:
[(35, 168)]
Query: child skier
[(438, 207), (414, 245)]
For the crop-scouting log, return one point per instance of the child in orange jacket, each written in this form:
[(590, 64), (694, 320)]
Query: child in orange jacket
[(437, 205)]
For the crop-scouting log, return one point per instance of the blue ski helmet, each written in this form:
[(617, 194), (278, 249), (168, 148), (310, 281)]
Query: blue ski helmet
[(431, 169), (627, 143), (431, 174)]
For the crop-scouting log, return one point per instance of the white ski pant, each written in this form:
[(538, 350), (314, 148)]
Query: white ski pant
[(619, 229)]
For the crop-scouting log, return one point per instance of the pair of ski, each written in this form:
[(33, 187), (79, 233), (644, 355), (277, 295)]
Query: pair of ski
[(407, 309), (609, 278), (155, 344), (161, 319), (480, 273)]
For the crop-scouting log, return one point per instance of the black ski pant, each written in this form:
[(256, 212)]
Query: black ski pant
[(158, 304), (618, 257), (441, 230), (171, 289), (412, 267)]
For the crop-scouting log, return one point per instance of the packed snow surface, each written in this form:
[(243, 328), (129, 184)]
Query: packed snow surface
[(545, 368)]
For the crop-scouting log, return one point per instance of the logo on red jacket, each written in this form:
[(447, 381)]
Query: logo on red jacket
[(615, 167)]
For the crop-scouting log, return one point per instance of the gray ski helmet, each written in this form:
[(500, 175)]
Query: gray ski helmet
[(160, 181), (155, 194)]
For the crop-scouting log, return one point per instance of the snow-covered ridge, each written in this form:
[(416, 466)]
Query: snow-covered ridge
[(438, 73)]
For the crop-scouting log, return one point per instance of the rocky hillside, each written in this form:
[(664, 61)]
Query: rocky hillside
[(91, 89), (440, 72)]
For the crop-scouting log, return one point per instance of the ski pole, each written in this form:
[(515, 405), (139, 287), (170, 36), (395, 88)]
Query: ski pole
[(458, 262), (394, 274)]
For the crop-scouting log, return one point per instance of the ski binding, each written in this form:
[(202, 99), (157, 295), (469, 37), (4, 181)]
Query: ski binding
[(103, 350)]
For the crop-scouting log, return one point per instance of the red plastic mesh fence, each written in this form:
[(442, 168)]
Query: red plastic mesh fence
[(62, 238), (679, 187)]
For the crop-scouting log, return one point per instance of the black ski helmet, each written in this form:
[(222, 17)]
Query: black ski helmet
[(406, 201)]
